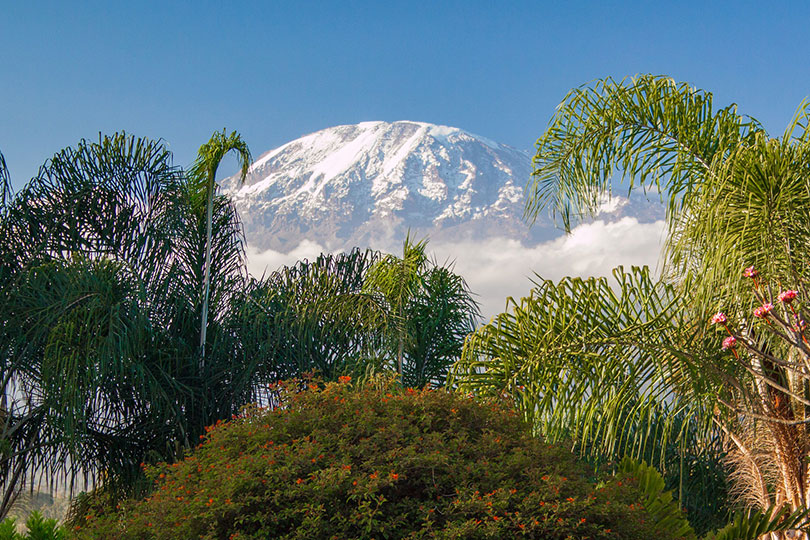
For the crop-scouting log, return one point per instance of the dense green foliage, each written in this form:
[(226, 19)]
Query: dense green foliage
[(633, 368), (381, 462), (571, 357), (431, 311), (128, 321), (336, 315), (313, 316), (37, 528)]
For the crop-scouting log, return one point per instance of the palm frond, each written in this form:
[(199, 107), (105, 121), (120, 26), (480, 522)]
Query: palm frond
[(755, 524), (661, 134), (598, 363), (6, 193), (660, 504)]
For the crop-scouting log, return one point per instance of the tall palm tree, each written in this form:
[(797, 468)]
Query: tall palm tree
[(602, 365), (398, 280), (431, 311), (204, 171), (327, 315), (101, 309)]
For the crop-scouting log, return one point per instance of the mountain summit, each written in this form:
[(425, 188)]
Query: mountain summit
[(366, 184)]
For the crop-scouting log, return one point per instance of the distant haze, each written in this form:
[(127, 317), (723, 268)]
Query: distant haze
[(367, 185)]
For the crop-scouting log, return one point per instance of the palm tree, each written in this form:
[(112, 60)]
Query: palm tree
[(328, 316), (632, 371), (431, 311), (204, 171), (101, 311), (398, 280), (437, 320), (315, 316)]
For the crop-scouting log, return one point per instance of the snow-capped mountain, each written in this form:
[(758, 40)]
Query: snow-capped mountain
[(367, 184)]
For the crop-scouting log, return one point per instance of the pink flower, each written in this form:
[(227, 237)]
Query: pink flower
[(719, 318), (787, 296), (729, 343), (763, 311), (750, 272)]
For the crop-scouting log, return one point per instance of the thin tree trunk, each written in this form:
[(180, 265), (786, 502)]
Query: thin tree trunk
[(399, 357), (207, 269)]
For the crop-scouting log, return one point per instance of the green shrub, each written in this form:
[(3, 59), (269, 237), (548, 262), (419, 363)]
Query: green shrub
[(39, 528), (8, 529), (376, 462)]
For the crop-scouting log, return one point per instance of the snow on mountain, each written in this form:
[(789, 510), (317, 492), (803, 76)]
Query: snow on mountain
[(367, 184)]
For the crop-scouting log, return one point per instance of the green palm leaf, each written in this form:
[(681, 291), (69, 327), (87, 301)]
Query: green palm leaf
[(659, 133)]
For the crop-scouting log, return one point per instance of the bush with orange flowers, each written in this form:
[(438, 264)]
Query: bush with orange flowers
[(377, 461)]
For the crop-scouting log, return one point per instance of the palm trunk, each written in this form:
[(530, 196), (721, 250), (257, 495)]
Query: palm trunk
[(399, 358), (207, 270)]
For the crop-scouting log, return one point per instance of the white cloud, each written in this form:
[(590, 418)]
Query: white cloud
[(496, 268), (609, 205), (261, 262)]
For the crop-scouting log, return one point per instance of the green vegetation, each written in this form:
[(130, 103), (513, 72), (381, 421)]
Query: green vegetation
[(103, 307), (129, 326), (36, 528), (335, 315), (379, 462), (638, 370)]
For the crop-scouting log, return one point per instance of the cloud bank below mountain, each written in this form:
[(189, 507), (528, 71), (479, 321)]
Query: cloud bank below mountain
[(496, 268)]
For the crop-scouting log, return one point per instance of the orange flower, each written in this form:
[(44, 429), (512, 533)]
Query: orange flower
[(373, 475), (582, 520), (495, 518), (394, 476), (344, 379), (299, 481)]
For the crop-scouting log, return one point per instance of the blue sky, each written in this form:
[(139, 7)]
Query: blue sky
[(277, 70)]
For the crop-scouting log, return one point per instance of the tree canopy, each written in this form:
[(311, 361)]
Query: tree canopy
[(634, 366)]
